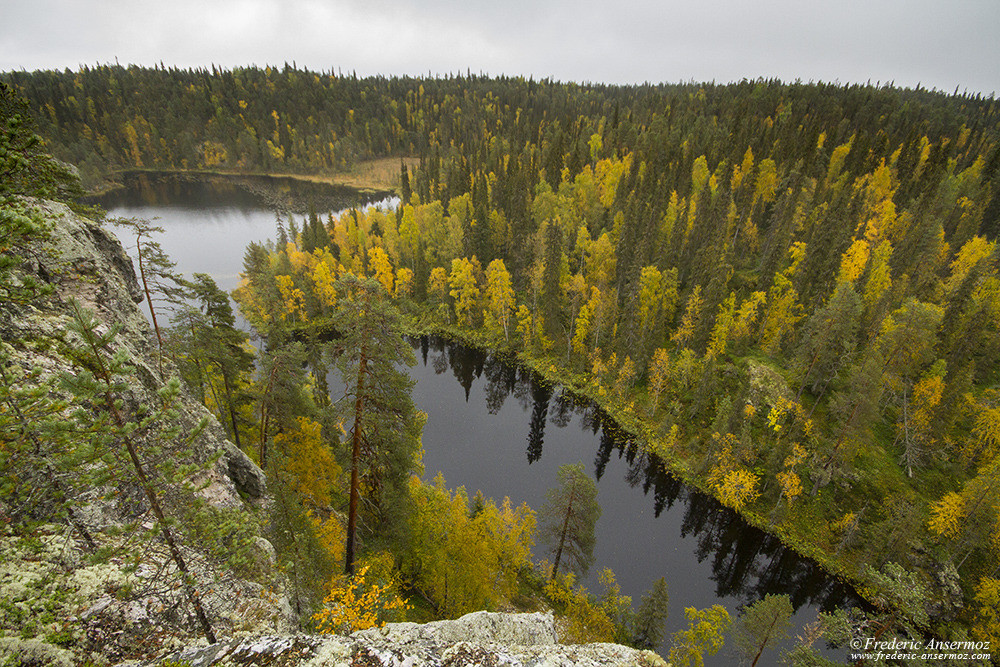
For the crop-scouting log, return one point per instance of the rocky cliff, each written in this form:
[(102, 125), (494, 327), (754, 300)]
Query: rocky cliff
[(79, 580), (87, 263)]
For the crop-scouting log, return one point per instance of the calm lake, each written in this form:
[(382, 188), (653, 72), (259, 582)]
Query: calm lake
[(208, 221), (492, 426)]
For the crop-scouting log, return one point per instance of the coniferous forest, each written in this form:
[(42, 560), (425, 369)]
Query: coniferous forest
[(789, 294)]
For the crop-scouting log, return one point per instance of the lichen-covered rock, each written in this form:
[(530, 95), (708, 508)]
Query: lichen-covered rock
[(480, 627), (62, 606), (480, 638), (87, 263), (112, 610)]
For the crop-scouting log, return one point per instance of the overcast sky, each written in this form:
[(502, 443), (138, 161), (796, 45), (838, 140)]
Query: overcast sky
[(937, 43)]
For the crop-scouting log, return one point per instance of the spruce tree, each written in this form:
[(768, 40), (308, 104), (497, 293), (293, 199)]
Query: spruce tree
[(648, 625), (217, 344)]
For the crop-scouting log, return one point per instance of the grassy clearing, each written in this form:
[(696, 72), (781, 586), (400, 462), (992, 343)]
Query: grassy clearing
[(377, 174)]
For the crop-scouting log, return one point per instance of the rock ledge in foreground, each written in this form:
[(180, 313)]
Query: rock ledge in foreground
[(480, 638)]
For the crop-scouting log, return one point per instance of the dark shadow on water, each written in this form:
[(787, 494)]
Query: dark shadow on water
[(541, 395)]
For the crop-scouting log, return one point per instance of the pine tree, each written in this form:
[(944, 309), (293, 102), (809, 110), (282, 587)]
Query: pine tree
[(384, 435), (569, 516), (159, 282), (762, 623), (99, 384), (280, 393), (43, 465)]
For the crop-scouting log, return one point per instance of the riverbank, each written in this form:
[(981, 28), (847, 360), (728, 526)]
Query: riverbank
[(647, 435), (791, 529)]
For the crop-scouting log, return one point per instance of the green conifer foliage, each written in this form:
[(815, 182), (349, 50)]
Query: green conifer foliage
[(383, 425), (568, 519)]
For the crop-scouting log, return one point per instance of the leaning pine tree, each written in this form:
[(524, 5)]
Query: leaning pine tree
[(568, 518), (140, 453), (761, 624)]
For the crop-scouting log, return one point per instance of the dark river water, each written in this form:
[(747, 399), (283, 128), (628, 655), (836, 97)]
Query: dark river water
[(493, 426)]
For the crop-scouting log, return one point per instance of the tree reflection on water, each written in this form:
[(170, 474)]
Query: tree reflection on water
[(746, 562)]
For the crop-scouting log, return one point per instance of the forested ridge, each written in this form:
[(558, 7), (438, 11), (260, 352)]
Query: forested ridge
[(789, 292)]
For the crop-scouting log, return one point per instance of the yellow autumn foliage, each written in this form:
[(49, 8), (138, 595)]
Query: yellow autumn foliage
[(381, 267), (738, 488), (987, 626), (466, 557), (359, 602), (310, 461), (853, 262), (404, 282), (331, 534), (947, 514), (588, 620), (791, 485), (324, 278), (293, 299)]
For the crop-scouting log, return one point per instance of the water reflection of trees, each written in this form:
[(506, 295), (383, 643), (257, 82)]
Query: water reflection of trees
[(747, 563), (245, 193), (541, 395)]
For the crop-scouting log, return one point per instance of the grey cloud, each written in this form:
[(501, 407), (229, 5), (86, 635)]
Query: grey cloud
[(941, 45)]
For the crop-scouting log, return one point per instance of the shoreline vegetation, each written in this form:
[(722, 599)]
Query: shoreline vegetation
[(644, 434), (789, 291), (643, 431)]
